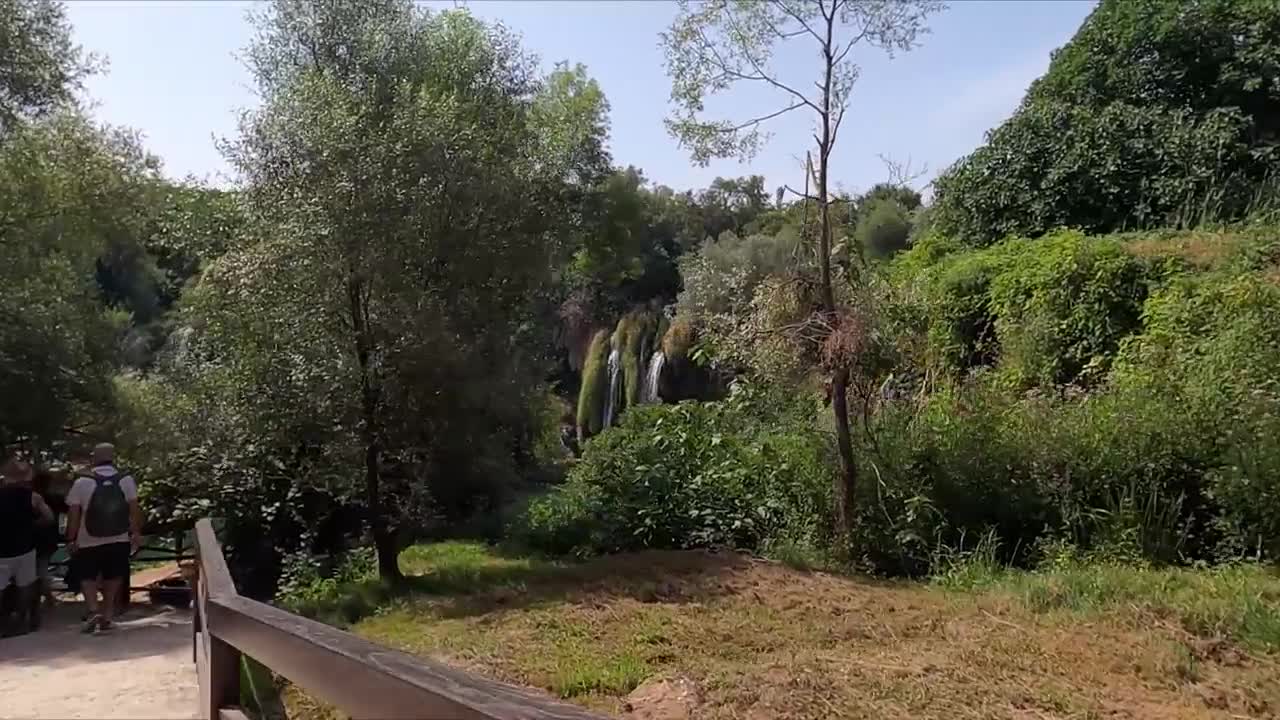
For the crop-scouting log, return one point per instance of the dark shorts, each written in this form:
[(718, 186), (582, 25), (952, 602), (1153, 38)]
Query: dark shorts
[(109, 562)]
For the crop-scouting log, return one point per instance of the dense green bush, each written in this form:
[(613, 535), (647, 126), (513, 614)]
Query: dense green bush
[(1048, 312), (1167, 454), (687, 475), (884, 230), (975, 461), (1213, 342)]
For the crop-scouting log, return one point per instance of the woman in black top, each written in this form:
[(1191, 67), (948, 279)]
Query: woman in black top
[(19, 510)]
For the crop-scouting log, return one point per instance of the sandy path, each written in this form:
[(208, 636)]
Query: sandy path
[(141, 670)]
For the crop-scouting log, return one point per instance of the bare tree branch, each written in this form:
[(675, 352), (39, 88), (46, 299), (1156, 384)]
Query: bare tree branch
[(835, 131), (763, 118), (798, 18), (900, 174), (797, 193), (760, 73)]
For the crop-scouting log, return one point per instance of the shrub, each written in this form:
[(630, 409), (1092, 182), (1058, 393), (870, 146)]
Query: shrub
[(1049, 312), (884, 230), (1166, 456), (1062, 305), (687, 475)]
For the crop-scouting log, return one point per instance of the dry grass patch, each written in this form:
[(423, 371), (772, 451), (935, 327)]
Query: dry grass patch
[(1203, 249), (760, 641)]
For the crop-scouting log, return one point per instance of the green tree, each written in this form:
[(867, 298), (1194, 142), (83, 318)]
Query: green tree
[(1158, 112), (407, 175), (713, 46), (40, 65), (69, 192)]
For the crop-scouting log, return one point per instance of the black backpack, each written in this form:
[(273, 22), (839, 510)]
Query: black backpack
[(108, 511)]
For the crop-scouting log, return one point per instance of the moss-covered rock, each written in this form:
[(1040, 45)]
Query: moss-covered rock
[(633, 338), (595, 385), (678, 340)]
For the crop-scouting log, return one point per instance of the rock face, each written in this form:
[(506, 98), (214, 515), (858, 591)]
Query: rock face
[(670, 698)]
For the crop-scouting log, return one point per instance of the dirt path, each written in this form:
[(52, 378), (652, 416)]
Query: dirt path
[(141, 670)]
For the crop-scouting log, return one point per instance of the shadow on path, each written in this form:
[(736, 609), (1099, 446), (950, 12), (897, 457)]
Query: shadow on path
[(142, 669)]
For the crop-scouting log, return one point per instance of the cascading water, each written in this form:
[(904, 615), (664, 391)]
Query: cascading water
[(642, 388), (615, 387), (652, 377)]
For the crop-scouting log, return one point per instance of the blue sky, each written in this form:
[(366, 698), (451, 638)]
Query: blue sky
[(174, 75)]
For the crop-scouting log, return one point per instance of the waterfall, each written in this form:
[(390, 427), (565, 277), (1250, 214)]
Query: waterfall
[(642, 388), (615, 387), (652, 377)]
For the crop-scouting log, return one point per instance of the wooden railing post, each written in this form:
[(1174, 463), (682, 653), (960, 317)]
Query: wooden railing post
[(223, 688)]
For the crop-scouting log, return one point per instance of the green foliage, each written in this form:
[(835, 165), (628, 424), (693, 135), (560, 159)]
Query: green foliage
[(1164, 455), (687, 475), (74, 197), (305, 581), (884, 229), (1050, 312), (712, 47), (723, 274), (632, 234), (1157, 112), (42, 66), (388, 344)]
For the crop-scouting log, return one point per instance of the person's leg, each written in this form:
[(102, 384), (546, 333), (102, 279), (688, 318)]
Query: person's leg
[(46, 582), (115, 568), (86, 568), (8, 568), (24, 577)]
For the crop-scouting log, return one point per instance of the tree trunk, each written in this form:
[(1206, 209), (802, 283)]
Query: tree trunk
[(846, 483), (384, 541)]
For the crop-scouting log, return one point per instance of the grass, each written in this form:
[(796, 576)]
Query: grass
[(762, 640), (457, 568), (1238, 602)]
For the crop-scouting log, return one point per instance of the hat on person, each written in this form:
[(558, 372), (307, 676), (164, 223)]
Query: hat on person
[(104, 453)]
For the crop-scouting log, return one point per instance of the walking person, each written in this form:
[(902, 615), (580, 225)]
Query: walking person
[(48, 535), (104, 528), (21, 510)]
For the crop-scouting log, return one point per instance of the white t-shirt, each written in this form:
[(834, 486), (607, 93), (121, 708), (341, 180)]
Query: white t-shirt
[(79, 496)]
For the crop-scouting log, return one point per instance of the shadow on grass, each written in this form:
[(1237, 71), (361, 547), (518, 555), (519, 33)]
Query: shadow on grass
[(468, 579)]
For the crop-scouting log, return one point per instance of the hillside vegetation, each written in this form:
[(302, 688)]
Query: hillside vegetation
[(1024, 421)]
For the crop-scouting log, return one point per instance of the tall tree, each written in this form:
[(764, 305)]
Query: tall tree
[(408, 174), (1156, 113), (69, 192), (717, 45), (40, 65)]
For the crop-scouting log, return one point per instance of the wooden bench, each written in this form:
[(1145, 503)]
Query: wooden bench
[(362, 679)]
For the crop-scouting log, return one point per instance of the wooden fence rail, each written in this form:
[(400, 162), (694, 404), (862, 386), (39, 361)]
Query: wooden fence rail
[(362, 679)]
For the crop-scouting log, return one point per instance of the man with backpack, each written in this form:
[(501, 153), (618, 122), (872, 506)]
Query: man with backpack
[(104, 528)]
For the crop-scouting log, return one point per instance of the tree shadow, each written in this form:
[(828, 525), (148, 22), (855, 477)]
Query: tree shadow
[(517, 581)]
